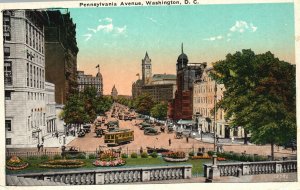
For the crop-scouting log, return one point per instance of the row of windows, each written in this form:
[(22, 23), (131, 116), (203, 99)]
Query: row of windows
[(35, 76), (35, 57), (204, 100), (34, 37), (6, 28), (8, 73), (204, 89), (35, 96)]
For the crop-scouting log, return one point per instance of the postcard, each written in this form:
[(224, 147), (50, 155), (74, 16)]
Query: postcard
[(152, 92)]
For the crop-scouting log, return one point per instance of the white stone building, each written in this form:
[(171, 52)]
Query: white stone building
[(84, 81), (203, 103), (26, 111)]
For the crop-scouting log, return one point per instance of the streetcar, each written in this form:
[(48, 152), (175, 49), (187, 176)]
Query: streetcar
[(117, 137)]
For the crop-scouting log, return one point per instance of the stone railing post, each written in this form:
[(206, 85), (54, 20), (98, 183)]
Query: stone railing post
[(245, 169), (214, 172), (145, 175), (187, 172), (278, 167), (99, 179)]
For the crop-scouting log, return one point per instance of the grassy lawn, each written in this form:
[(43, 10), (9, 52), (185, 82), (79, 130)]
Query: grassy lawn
[(33, 167)]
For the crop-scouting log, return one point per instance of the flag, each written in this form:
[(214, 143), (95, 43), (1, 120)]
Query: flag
[(97, 66)]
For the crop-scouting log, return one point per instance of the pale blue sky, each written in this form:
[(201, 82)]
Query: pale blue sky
[(116, 37)]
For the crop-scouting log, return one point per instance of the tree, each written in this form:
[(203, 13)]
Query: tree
[(74, 112), (89, 96), (260, 95), (159, 111), (144, 103)]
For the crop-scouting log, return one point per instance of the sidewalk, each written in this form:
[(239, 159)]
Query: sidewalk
[(53, 142)]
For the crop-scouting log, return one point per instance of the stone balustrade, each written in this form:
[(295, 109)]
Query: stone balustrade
[(115, 175), (252, 168)]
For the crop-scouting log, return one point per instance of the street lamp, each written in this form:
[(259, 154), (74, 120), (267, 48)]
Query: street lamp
[(215, 115), (198, 115)]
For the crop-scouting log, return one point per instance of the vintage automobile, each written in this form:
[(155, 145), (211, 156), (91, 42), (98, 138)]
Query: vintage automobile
[(112, 123), (99, 132), (170, 129), (86, 128), (150, 131), (72, 151), (81, 133), (144, 125), (127, 117), (178, 135)]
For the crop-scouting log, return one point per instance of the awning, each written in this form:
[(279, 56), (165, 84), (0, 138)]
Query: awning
[(186, 122)]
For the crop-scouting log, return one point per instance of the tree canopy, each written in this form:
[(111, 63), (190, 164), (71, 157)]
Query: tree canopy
[(144, 104), (260, 95), (159, 111)]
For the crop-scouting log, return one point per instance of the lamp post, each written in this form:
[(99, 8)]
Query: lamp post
[(215, 115)]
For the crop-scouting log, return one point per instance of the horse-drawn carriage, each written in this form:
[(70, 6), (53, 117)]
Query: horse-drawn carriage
[(170, 129)]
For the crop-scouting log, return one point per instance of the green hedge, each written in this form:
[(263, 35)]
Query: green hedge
[(133, 155), (144, 155), (239, 157)]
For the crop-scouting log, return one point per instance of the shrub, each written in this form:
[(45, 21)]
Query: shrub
[(92, 156), (144, 155), (44, 157), (191, 154), (153, 155), (81, 156), (133, 155), (210, 153), (124, 155), (32, 158), (68, 156), (57, 157)]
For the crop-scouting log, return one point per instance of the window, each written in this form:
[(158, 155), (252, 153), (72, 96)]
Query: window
[(27, 75), (8, 141), (6, 51), (7, 73), (8, 125), (7, 95)]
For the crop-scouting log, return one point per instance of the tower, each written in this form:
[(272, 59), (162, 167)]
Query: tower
[(182, 60), (146, 69)]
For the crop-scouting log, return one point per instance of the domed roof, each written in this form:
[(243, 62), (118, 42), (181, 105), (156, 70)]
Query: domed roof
[(182, 56)]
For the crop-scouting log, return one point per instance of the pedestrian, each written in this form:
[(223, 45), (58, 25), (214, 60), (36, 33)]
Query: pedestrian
[(42, 147), (67, 133), (187, 139), (38, 147), (56, 133), (169, 142), (217, 139), (232, 139), (43, 139)]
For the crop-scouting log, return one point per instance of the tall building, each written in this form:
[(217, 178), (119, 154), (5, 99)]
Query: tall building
[(181, 107), (114, 92), (204, 92), (146, 70), (90, 81), (26, 109), (161, 87), (61, 54)]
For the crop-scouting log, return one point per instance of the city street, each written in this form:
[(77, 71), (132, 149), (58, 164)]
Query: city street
[(90, 142)]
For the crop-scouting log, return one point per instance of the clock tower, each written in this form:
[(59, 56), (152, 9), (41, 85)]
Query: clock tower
[(146, 69)]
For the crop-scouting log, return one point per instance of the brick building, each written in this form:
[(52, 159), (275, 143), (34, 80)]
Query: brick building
[(61, 54), (181, 107), (26, 108)]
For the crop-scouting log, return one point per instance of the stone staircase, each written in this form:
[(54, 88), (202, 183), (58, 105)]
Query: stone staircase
[(21, 181)]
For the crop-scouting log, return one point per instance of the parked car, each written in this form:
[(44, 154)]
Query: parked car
[(144, 125), (86, 128), (150, 131), (81, 133)]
